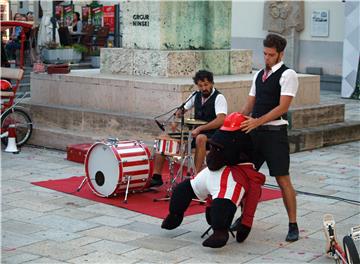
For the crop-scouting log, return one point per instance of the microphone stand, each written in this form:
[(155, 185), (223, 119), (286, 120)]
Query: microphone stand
[(182, 109)]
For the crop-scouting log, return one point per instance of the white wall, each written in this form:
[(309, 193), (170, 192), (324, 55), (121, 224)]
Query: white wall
[(247, 19), (323, 52)]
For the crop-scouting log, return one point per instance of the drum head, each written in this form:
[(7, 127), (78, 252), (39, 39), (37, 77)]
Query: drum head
[(103, 169)]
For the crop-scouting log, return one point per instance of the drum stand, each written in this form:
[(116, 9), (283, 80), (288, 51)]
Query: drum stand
[(128, 179), (172, 181), (189, 160), (82, 184), (191, 171)]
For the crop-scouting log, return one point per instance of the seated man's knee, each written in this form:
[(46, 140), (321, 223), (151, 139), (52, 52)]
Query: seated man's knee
[(201, 140)]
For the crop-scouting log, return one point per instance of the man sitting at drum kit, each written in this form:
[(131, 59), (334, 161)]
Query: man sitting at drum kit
[(230, 178), (210, 106)]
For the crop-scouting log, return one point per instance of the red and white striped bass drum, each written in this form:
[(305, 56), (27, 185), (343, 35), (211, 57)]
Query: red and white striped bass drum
[(108, 164)]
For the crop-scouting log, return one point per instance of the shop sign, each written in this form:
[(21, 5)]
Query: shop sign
[(97, 16), (109, 17), (68, 15)]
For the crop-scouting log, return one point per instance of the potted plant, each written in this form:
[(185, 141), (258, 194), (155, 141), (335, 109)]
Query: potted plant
[(79, 50), (54, 53), (95, 58)]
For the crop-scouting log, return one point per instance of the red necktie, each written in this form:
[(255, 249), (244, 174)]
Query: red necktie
[(265, 75)]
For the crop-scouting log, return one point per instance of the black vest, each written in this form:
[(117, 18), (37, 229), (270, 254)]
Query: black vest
[(206, 111), (268, 93)]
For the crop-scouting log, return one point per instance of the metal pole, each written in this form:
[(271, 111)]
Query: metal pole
[(53, 21), (117, 36)]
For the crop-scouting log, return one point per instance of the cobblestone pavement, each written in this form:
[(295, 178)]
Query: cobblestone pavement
[(39, 225)]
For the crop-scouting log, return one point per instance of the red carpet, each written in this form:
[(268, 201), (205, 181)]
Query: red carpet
[(138, 202)]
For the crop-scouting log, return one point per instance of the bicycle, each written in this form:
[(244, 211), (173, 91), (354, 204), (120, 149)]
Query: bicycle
[(20, 119), (13, 115), (348, 255)]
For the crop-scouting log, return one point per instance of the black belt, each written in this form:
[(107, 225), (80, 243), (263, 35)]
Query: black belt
[(271, 128)]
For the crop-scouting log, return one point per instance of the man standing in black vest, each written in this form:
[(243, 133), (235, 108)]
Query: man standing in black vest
[(271, 93), (210, 106)]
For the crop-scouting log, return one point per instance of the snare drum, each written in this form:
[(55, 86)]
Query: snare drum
[(107, 165), (167, 146)]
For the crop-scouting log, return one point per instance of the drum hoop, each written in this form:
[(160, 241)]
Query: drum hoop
[(87, 170), (87, 156)]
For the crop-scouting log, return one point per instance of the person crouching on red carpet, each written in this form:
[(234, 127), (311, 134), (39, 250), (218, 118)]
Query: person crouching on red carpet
[(230, 178)]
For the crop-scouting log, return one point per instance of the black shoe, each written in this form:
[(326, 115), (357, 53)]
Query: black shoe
[(172, 221), (217, 240), (293, 234), (242, 232), (156, 182)]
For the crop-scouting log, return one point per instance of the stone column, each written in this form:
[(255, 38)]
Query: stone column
[(291, 58), (176, 38), (286, 18)]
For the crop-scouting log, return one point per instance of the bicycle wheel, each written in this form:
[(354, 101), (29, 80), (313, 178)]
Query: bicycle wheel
[(23, 125), (351, 253)]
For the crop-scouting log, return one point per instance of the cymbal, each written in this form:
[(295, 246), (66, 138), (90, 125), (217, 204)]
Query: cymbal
[(192, 121)]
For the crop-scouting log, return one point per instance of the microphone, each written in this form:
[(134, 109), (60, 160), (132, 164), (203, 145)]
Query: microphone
[(188, 99), (161, 126)]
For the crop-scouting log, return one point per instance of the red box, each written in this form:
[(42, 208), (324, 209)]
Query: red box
[(77, 152), (58, 68)]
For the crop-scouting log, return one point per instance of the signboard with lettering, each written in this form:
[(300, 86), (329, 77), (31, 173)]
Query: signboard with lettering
[(320, 23), (109, 17), (97, 16), (141, 20), (68, 15)]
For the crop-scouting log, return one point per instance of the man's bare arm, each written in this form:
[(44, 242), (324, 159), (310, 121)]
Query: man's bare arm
[(214, 124), (278, 111), (249, 105)]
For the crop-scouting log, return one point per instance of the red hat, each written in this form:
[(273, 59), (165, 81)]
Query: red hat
[(233, 121)]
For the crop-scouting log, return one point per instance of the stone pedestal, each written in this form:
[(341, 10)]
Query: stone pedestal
[(145, 96), (86, 105), (174, 63)]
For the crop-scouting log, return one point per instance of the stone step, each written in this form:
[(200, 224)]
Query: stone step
[(323, 136), (95, 122), (299, 117), (299, 139), (57, 138), (315, 115), (58, 127)]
